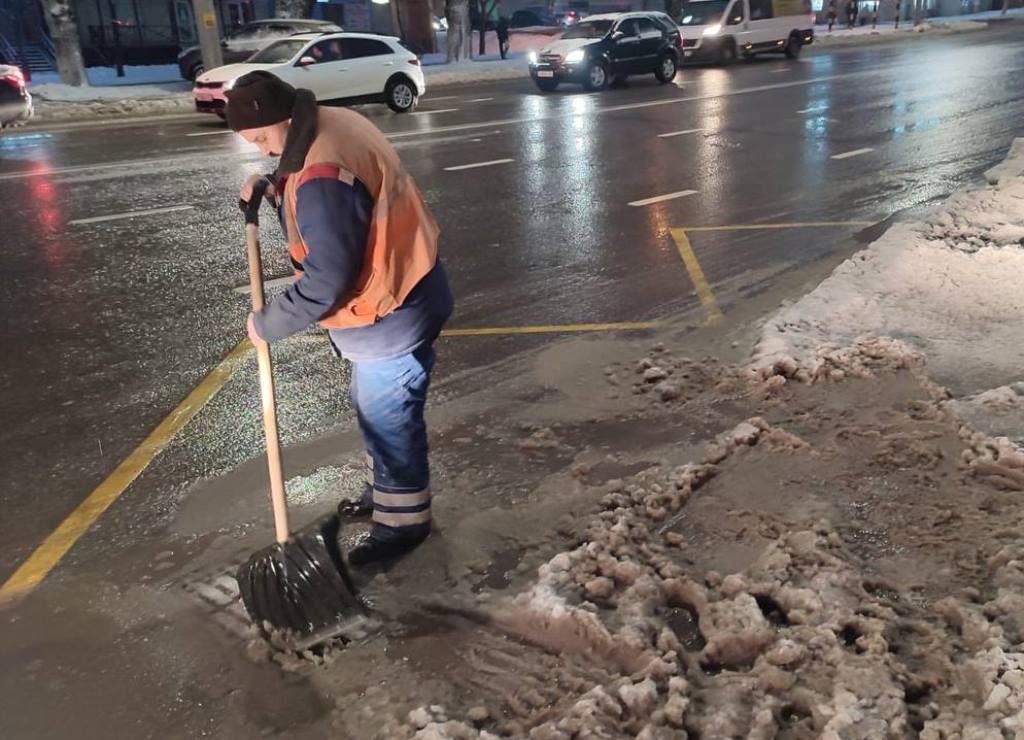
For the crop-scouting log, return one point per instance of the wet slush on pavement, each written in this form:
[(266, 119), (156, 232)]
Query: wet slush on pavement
[(639, 531)]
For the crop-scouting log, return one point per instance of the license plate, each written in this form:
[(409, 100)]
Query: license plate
[(204, 98), (687, 53), (545, 73)]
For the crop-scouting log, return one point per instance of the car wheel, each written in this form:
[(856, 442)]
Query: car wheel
[(547, 85), (793, 47), (196, 71), (400, 95), (666, 71), (597, 77), (727, 54)]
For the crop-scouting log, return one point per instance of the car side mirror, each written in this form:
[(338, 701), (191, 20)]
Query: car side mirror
[(735, 20), (618, 36), (305, 62)]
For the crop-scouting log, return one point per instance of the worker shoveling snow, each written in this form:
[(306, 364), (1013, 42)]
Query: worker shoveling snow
[(841, 557)]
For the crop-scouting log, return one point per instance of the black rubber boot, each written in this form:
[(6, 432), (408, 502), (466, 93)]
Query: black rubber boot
[(358, 509), (382, 545)]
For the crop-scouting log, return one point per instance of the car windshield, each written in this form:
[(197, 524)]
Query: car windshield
[(588, 30), (703, 12), (278, 52)]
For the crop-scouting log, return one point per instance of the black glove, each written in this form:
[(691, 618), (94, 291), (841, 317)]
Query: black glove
[(265, 187)]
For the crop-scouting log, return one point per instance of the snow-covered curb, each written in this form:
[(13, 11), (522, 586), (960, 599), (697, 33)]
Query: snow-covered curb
[(472, 71), (885, 34), (946, 288), (49, 111)]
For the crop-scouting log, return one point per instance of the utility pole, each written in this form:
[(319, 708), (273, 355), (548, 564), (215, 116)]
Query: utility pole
[(20, 25), (209, 34), (116, 31)]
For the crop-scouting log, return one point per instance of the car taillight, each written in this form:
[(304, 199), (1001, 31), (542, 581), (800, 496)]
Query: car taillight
[(414, 62), (15, 78)]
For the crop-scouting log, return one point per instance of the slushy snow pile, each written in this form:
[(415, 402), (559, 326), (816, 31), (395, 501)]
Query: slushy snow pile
[(947, 288), (800, 642)]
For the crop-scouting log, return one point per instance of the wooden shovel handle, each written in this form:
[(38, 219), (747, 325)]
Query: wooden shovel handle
[(252, 243)]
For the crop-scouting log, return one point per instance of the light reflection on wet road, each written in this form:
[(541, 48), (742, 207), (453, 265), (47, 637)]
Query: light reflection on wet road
[(108, 325)]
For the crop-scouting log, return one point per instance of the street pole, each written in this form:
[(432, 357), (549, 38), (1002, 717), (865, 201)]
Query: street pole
[(22, 57), (396, 19), (116, 31), (209, 34)]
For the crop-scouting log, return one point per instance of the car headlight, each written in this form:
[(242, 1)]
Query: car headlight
[(573, 57), (230, 84), (531, 57), (713, 30)]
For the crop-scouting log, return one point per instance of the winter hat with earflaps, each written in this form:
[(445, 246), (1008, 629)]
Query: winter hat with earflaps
[(260, 99)]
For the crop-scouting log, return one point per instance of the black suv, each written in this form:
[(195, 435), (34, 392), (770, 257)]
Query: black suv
[(603, 48), (241, 44)]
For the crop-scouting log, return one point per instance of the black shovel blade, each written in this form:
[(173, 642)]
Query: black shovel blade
[(298, 587)]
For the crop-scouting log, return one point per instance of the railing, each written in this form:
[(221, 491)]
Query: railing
[(48, 47), (131, 35), (7, 51)]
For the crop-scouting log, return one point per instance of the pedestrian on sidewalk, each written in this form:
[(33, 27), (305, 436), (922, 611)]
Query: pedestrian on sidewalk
[(851, 14), (364, 247), (831, 14), (502, 30)]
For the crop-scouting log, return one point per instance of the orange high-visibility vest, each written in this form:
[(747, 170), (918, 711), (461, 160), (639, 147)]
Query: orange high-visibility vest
[(401, 247)]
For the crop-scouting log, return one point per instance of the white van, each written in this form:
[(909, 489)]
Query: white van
[(722, 30)]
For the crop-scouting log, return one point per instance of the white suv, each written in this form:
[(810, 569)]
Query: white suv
[(338, 67)]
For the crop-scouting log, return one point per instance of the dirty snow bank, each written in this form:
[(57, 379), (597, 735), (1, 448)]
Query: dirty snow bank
[(475, 71), (58, 102), (144, 74), (802, 642), (947, 288), (873, 587), (842, 36)]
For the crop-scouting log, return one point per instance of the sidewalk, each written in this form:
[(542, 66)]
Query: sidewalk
[(843, 36)]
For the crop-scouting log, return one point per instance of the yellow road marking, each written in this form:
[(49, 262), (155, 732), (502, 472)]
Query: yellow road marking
[(797, 225), (39, 564), (552, 329), (45, 557), (700, 283)]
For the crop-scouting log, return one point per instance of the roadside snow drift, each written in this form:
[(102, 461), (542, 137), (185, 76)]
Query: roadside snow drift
[(948, 288)]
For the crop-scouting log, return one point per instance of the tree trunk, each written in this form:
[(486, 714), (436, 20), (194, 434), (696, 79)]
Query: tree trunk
[(460, 37), (293, 8), (60, 20)]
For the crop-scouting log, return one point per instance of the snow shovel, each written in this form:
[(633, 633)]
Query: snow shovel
[(299, 584)]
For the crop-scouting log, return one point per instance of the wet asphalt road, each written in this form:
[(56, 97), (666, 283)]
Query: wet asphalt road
[(108, 325)]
